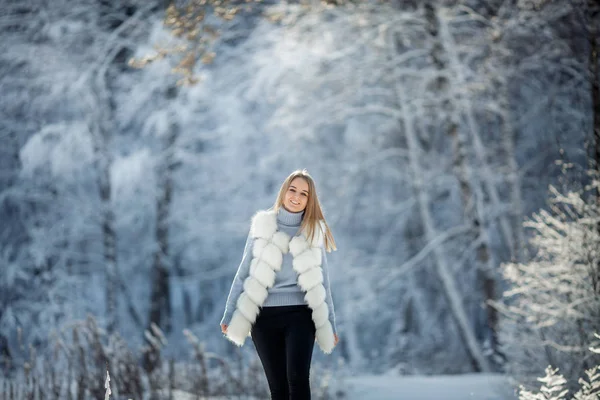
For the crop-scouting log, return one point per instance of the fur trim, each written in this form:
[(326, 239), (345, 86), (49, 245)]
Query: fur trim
[(272, 256), (315, 296), (268, 252), (318, 239), (298, 244), (257, 292), (263, 224), (262, 272), (258, 246), (247, 308), (306, 260), (310, 278), (282, 241), (269, 247), (238, 328), (325, 337), (320, 315)]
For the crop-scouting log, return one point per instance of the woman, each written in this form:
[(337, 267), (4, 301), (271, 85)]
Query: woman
[(280, 294)]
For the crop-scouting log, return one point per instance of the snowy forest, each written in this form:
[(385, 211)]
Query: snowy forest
[(455, 145)]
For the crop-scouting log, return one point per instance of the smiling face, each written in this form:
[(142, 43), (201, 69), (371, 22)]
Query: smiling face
[(296, 196)]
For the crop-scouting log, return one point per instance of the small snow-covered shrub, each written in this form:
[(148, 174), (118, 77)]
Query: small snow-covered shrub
[(86, 363), (553, 301), (554, 385)]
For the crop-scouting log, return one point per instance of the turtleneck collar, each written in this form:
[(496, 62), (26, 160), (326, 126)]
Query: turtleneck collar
[(289, 218)]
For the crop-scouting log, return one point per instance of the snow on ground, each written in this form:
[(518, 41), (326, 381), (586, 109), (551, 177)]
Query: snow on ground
[(441, 387)]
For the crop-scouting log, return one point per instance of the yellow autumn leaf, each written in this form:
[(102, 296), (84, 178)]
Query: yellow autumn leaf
[(188, 61), (208, 58)]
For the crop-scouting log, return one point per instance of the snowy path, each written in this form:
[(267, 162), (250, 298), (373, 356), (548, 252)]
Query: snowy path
[(447, 387)]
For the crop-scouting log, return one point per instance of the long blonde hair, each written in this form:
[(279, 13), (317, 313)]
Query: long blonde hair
[(313, 218)]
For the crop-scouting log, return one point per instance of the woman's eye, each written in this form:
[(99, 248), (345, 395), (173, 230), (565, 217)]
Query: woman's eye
[(292, 190), (304, 194)]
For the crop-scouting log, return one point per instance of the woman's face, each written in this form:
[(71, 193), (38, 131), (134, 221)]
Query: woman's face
[(296, 197)]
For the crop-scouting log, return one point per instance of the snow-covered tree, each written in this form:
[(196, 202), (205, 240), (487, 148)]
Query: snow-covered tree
[(198, 24), (65, 190), (361, 80), (552, 306), (430, 129), (555, 386)]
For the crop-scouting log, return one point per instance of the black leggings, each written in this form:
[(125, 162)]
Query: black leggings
[(284, 337)]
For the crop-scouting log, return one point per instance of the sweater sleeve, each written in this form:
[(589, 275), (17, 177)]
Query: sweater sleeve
[(238, 281), (328, 298)]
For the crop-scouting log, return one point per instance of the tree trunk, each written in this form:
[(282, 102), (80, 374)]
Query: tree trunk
[(101, 107), (450, 290), (474, 212), (472, 200), (593, 11), (100, 130), (351, 342), (509, 138), (101, 126), (449, 287), (593, 22), (110, 251), (188, 316), (514, 180), (449, 48), (160, 306)]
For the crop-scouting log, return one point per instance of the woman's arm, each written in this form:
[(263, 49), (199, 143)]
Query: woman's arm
[(328, 298), (238, 282)]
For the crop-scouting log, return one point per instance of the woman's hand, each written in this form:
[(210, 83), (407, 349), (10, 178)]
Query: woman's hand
[(223, 328), (337, 339)]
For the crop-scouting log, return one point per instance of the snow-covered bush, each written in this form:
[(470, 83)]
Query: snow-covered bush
[(83, 356), (554, 385), (552, 305)]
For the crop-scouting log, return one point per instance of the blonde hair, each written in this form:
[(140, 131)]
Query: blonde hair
[(313, 218)]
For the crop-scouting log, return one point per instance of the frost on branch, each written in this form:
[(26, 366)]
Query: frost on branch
[(553, 303), (107, 386), (195, 25)]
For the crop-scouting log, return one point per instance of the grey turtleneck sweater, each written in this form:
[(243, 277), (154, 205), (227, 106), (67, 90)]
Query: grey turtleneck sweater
[(285, 291)]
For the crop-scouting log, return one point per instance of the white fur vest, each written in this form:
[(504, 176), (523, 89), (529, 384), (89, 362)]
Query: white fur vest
[(269, 247)]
